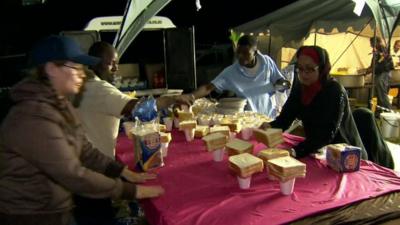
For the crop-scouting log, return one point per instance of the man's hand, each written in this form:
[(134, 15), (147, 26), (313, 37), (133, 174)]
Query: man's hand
[(185, 99), (148, 191), (133, 177), (282, 85)]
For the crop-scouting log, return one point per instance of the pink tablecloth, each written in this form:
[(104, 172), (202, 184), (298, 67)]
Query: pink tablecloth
[(201, 191)]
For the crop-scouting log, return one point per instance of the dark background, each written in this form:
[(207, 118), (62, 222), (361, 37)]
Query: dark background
[(21, 26)]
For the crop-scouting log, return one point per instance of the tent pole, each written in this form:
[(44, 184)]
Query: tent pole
[(373, 66), (269, 43), (315, 38), (119, 33)]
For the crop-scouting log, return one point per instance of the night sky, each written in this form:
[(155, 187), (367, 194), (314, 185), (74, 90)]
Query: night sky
[(23, 25)]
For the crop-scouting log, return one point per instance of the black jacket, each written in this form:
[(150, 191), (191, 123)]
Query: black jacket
[(326, 120)]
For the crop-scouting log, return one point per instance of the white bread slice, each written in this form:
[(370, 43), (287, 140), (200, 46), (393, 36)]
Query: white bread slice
[(237, 146), (165, 137), (272, 153), (245, 164), (184, 115), (286, 166), (215, 141), (234, 125), (270, 137), (220, 129), (162, 127), (201, 131), (187, 124)]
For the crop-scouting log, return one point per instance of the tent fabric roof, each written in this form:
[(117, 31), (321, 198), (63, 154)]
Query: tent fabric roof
[(136, 15), (294, 21)]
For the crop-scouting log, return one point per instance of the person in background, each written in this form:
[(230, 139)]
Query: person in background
[(45, 155), (321, 104), (382, 70), (253, 76), (396, 54), (100, 106)]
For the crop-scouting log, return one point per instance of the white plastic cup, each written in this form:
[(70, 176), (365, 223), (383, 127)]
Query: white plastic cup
[(176, 122), (232, 135), (247, 133), (287, 187), (128, 126), (218, 155), (244, 183), (189, 134), (164, 149), (168, 123)]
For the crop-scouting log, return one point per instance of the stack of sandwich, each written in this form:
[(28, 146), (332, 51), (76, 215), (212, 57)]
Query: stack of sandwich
[(286, 168), (270, 137), (201, 131), (237, 146), (244, 165), (271, 153), (220, 129), (215, 141)]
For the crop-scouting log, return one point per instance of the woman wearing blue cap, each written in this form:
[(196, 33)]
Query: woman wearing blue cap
[(44, 154)]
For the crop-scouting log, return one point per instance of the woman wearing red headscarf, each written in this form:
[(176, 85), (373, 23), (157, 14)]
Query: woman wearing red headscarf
[(321, 103)]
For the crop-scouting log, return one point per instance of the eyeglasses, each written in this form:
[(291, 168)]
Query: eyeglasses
[(74, 67), (306, 70)]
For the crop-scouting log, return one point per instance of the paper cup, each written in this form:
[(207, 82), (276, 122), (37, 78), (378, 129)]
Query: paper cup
[(247, 133), (287, 187), (168, 123), (218, 155), (128, 128), (189, 134), (176, 122), (232, 135), (164, 149), (244, 183)]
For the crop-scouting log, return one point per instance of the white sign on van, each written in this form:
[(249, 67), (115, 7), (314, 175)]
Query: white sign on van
[(113, 23)]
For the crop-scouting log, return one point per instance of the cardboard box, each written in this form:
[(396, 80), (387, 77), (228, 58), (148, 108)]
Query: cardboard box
[(343, 157)]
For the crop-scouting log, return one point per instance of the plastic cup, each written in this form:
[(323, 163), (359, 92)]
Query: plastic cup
[(189, 134), (168, 123), (287, 187), (247, 133), (218, 155), (128, 127), (164, 149), (176, 122), (232, 135), (244, 183)]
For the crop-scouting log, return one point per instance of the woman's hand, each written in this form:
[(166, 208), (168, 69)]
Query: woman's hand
[(148, 191), (133, 177)]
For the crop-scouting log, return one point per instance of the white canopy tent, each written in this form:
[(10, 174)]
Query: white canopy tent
[(332, 24), (137, 14)]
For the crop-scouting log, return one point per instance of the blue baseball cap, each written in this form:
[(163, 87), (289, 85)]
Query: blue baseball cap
[(55, 48)]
